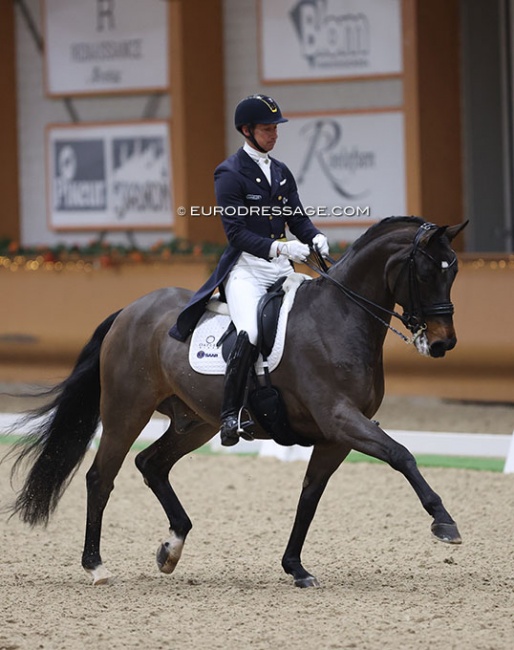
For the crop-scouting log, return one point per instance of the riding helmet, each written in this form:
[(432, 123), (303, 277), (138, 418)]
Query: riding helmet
[(257, 109)]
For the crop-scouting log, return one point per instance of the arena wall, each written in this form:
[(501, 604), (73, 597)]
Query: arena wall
[(50, 315)]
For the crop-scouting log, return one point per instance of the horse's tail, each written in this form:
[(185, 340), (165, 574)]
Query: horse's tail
[(58, 443)]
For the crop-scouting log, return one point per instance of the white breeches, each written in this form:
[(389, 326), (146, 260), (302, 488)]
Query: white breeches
[(246, 283)]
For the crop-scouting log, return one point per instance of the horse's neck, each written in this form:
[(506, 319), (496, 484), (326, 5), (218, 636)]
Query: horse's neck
[(364, 273)]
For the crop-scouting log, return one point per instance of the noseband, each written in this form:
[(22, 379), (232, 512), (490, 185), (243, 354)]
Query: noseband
[(414, 317)]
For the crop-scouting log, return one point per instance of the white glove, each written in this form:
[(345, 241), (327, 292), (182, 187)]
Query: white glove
[(293, 250), (321, 243)]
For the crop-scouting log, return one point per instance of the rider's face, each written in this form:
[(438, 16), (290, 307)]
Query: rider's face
[(265, 134)]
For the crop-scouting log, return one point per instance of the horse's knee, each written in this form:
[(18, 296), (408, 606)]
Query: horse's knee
[(152, 464), (401, 459), (141, 462)]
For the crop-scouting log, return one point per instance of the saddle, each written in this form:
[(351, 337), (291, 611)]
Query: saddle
[(268, 312), (265, 401)]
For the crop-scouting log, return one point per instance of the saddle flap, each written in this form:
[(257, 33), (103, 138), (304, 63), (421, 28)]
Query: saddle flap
[(268, 312)]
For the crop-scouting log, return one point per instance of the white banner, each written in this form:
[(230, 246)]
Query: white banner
[(304, 40), (109, 177), (350, 167), (101, 46)]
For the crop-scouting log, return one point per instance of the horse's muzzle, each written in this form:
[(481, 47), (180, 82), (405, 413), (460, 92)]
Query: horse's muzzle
[(441, 338)]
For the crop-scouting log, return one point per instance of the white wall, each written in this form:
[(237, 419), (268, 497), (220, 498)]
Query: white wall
[(242, 79), (35, 111)]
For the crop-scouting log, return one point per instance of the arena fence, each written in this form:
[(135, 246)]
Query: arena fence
[(467, 450)]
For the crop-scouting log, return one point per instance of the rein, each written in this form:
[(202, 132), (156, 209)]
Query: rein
[(321, 268), (413, 319)]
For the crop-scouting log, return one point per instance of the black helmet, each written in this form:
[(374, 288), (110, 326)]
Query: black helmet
[(257, 109)]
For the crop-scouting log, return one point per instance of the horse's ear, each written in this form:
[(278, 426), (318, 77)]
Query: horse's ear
[(432, 233), (453, 231)]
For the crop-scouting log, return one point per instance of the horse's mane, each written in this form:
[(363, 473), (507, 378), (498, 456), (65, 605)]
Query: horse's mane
[(377, 229)]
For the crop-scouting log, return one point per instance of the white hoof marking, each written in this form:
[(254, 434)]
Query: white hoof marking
[(173, 546), (100, 575)]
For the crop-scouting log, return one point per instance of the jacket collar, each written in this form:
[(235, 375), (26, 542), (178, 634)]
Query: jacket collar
[(252, 171)]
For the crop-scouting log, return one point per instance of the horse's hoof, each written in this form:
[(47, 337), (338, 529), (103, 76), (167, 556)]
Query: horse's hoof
[(309, 581), (100, 575), (168, 554), (448, 533)]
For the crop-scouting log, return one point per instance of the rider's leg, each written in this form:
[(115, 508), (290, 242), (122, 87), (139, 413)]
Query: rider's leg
[(242, 356), (246, 284), (243, 292)]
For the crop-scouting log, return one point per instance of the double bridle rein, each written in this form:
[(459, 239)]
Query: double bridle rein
[(414, 317)]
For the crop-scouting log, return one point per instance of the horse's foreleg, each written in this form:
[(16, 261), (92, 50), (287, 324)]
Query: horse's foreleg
[(371, 440), (155, 463), (323, 463)]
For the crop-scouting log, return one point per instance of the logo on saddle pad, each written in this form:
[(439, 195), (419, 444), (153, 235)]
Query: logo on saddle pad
[(205, 353)]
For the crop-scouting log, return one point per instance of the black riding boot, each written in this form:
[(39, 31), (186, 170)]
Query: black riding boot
[(241, 358)]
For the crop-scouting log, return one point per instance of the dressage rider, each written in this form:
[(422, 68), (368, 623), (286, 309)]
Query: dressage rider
[(258, 196)]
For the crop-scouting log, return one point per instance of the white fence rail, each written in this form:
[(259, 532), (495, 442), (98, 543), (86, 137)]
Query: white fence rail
[(478, 445)]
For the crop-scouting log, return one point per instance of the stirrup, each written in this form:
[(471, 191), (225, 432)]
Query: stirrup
[(242, 426), (236, 429)]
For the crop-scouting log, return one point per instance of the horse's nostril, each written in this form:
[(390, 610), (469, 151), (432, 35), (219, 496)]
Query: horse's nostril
[(440, 347)]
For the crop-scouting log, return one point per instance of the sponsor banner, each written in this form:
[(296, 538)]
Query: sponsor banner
[(114, 176), (104, 46), (349, 166), (328, 39)]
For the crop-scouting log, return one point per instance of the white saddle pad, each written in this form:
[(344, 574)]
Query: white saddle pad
[(206, 358)]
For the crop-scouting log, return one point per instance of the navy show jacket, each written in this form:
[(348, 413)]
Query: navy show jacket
[(254, 215)]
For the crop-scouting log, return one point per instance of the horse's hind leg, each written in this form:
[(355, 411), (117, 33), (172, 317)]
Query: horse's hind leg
[(155, 463), (114, 445)]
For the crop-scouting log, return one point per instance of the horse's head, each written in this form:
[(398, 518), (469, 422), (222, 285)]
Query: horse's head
[(421, 284)]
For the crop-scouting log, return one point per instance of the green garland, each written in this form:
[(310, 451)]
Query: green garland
[(101, 254)]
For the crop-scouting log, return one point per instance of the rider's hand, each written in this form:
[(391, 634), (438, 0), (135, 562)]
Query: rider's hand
[(293, 250), (321, 243)]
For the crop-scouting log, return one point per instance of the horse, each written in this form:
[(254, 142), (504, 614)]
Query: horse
[(331, 379)]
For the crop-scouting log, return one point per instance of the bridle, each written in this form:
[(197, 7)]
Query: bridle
[(413, 318)]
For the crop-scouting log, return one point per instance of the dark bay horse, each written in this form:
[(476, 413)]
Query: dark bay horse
[(331, 379)]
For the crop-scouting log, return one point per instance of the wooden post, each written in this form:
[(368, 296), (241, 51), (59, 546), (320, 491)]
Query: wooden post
[(198, 116), (433, 110), (9, 187)]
